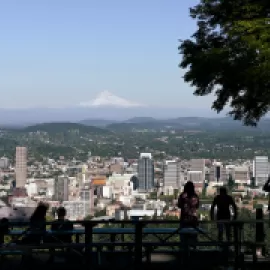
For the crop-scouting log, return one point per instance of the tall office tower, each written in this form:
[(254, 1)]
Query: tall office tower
[(87, 196), (172, 174), (4, 163), (146, 172), (218, 173), (260, 170), (198, 165), (61, 189), (21, 166)]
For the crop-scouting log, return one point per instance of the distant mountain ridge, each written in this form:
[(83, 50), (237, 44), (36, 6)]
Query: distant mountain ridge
[(103, 126), (57, 127), (189, 123), (75, 114)]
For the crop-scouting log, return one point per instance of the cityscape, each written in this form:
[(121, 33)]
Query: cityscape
[(135, 134), (115, 186)]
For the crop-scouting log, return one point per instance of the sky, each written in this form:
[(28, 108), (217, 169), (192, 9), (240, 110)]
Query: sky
[(58, 53)]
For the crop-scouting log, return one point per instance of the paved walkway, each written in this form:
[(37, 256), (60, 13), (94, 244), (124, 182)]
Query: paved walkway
[(121, 261)]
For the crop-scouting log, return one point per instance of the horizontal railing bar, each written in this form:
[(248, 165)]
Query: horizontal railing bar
[(143, 222), (110, 244), (108, 231)]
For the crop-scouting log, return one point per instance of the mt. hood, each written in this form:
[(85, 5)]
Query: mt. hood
[(108, 99)]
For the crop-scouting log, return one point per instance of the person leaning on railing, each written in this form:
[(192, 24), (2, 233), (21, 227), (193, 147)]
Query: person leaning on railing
[(223, 202), (266, 188), (62, 224)]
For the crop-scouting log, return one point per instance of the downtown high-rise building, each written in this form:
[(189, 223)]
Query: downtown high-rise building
[(172, 174), (61, 188), (145, 172), (260, 170), (21, 166), (197, 170)]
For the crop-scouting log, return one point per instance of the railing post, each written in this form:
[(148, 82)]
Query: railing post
[(112, 238), (236, 229), (138, 243), (122, 235), (4, 228), (89, 242), (260, 234)]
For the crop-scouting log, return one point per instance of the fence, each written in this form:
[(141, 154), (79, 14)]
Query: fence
[(140, 239)]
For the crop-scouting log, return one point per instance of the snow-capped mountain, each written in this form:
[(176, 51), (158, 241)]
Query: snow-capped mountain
[(108, 99)]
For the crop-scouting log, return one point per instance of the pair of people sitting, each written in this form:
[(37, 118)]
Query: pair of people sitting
[(36, 234)]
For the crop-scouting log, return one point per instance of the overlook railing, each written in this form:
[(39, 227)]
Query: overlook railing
[(139, 240)]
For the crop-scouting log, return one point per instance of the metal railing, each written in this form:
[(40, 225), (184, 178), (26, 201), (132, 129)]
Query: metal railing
[(140, 239)]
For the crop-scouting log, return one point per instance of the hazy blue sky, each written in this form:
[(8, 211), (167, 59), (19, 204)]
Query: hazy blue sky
[(63, 52)]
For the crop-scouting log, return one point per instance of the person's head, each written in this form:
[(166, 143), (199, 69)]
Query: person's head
[(61, 212), (40, 211), (223, 191), (189, 188)]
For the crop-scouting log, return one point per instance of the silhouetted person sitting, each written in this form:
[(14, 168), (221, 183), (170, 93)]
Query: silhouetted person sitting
[(223, 202), (4, 229), (37, 229), (62, 224)]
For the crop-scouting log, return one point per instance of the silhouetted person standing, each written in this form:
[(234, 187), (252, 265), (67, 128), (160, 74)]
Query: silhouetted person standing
[(224, 202), (188, 202)]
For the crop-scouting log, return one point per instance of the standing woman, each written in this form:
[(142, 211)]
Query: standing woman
[(188, 202)]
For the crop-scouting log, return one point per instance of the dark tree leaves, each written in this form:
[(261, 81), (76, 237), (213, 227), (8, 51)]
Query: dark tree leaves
[(229, 55)]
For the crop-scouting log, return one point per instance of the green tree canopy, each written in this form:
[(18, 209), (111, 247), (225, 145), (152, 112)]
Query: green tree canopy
[(229, 55)]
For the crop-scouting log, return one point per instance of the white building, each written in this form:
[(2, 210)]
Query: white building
[(198, 165), (260, 170), (172, 174), (107, 192), (77, 210), (197, 177), (4, 163)]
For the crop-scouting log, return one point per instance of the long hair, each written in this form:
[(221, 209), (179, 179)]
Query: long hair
[(40, 212), (189, 189)]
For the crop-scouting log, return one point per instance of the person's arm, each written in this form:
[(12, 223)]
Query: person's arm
[(212, 210), (266, 186), (179, 203), (234, 206), (198, 202)]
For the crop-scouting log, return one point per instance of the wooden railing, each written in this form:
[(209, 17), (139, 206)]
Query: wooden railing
[(140, 239)]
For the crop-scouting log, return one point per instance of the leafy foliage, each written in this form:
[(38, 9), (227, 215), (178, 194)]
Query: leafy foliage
[(229, 55)]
